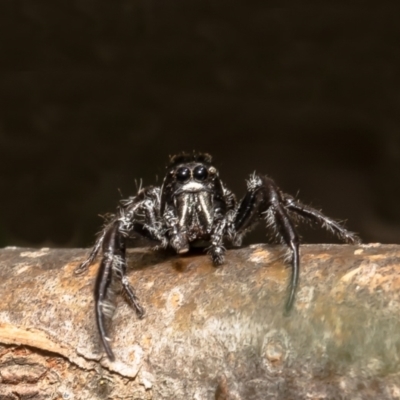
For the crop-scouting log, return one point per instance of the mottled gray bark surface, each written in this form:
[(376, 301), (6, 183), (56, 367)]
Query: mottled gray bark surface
[(209, 333)]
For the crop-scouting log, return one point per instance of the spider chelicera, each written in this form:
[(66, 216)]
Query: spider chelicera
[(193, 205)]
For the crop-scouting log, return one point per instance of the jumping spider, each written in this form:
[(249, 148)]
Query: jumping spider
[(194, 205)]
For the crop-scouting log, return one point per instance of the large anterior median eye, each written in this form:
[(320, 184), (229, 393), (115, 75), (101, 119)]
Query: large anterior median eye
[(200, 173), (183, 174)]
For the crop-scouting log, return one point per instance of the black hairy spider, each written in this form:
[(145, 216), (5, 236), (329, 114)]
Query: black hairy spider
[(193, 205)]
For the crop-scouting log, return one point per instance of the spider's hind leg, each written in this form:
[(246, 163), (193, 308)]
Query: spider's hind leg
[(81, 268), (311, 214)]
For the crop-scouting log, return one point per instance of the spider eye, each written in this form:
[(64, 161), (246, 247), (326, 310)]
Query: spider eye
[(183, 174), (200, 173)]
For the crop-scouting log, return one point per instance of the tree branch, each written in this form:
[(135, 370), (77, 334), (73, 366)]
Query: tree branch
[(209, 333)]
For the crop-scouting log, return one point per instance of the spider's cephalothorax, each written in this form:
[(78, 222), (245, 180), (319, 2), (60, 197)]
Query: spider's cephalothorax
[(192, 202), (193, 206)]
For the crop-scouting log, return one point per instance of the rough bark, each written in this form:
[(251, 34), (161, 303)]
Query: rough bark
[(209, 333)]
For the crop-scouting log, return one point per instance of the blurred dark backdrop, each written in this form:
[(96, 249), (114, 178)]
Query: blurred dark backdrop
[(96, 94)]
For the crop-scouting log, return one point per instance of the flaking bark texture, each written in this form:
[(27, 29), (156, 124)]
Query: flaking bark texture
[(209, 333)]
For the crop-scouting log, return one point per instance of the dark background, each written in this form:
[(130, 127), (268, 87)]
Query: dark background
[(96, 94)]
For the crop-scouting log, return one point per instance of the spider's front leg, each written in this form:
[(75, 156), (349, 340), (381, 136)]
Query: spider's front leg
[(112, 263), (265, 201), (139, 214)]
